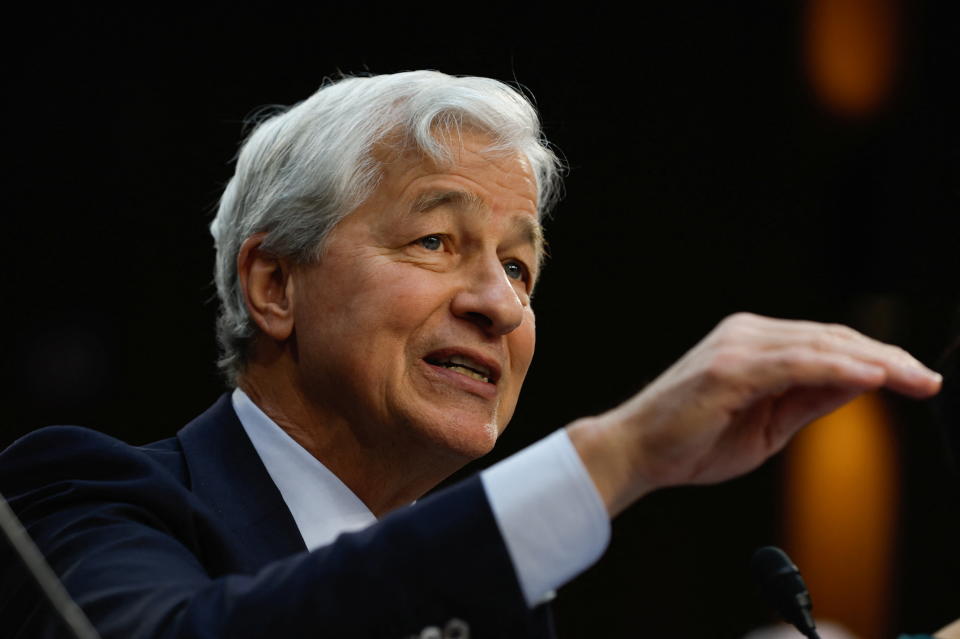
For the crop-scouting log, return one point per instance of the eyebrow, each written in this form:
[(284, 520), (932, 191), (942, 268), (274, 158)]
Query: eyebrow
[(465, 201)]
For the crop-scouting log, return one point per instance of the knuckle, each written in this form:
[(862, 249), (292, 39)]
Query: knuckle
[(797, 364), (842, 331), (792, 360), (733, 328), (739, 318), (722, 364), (824, 341), (900, 351), (902, 356)]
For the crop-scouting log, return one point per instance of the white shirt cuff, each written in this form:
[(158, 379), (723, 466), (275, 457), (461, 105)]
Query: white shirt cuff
[(551, 517)]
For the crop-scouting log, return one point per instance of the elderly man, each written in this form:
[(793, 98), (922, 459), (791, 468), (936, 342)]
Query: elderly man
[(377, 250)]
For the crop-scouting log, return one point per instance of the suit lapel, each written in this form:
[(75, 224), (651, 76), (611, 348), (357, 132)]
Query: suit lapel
[(227, 475)]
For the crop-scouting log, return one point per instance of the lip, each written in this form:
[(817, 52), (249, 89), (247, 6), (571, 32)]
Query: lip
[(475, 386)]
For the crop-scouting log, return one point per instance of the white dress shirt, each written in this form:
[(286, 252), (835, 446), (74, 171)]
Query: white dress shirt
[(552, 519)]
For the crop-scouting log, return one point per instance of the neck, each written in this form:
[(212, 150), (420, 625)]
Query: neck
[(382, 464)]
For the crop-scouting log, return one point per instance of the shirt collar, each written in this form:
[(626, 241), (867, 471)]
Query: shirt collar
[(322, 506)]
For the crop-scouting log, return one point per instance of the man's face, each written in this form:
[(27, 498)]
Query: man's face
[(416, 322)]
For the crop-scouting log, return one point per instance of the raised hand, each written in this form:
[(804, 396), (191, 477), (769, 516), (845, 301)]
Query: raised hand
[(734, 400)]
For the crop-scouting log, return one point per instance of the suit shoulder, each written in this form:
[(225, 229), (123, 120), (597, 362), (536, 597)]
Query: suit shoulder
[(72, 453)]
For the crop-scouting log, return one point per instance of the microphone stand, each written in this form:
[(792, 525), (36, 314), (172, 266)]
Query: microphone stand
[(65, 608)]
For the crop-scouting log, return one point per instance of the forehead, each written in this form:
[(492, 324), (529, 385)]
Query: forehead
[(467, 153), (472, 179)]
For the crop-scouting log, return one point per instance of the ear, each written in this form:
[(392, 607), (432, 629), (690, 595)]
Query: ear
[(267, 288)]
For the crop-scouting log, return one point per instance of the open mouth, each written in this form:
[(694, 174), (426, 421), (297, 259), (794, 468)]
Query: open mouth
[(464, 365)]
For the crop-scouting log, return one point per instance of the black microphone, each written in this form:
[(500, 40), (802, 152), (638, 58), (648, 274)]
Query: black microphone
[(781, 584)]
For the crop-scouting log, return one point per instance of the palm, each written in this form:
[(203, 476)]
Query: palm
[(763, 428)]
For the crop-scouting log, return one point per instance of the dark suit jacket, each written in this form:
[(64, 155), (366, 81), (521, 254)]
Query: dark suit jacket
[(189, 537)]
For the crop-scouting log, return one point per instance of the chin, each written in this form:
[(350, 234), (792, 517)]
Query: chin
[(466, 439)]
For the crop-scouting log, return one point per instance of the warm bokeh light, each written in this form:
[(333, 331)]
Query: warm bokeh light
[(851, 50), (842, 498)]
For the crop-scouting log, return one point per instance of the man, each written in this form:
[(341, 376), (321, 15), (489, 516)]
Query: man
[(377, 251)]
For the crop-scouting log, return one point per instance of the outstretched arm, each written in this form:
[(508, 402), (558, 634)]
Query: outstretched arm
[(734, 400)]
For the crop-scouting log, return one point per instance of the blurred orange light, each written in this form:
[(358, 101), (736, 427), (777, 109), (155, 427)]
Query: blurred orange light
[(851, 52), (842, 497)]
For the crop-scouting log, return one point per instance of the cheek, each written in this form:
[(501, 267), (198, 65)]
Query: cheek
[(406, 299), (523, 344), (388, 307)]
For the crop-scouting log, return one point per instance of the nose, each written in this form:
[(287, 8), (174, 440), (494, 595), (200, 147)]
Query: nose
[(489, 299)]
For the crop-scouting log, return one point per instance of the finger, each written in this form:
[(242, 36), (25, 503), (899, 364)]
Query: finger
[(774, 333), (918, 383), (777, 371), (905, 374), (769, 332), (797, 409), (805, 405), (799, 366)]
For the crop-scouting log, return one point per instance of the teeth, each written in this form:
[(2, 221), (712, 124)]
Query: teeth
[(464, 366), (469, 364), (469, 373)]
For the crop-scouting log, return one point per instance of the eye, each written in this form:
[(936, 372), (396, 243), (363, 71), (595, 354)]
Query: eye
[(515, 270), (431, 242)]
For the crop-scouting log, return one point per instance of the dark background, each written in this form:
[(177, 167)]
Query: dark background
[(705, 177)]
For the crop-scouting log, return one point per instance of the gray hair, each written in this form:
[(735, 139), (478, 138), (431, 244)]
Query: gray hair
[(304, 169)]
